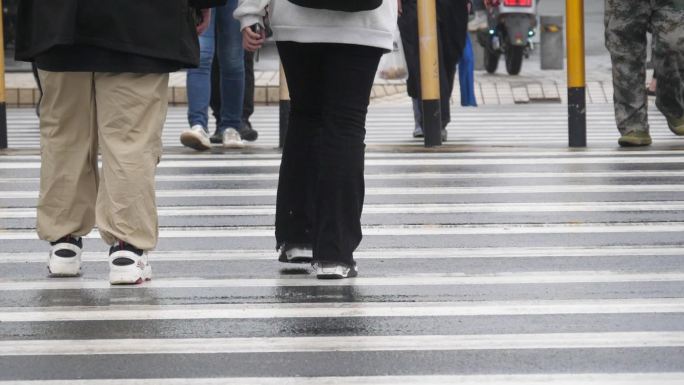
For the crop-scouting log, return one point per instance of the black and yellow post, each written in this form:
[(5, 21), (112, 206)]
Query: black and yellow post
[(429, 72), (284, 107), (577, 108), (3, 107)]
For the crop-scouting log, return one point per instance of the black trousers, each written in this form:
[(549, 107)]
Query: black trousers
[(321, 185), (452, 26)]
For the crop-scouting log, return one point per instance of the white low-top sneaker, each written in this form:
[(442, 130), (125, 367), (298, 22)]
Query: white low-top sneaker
[(232, 139), (196, 137), (65, 257), (295, 253), (334, 270), (479, 21), (128, 265)]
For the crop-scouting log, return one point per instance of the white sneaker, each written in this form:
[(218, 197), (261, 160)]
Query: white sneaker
[(334, 270), (232, 139), (479, 21), (65, 257), (128, 265), (196, 137), (295, 253)]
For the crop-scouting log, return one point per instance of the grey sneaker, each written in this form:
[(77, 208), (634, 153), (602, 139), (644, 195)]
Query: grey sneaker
[(196, 138), (295, 253), (232, 139), (635, 139), (334, 270)]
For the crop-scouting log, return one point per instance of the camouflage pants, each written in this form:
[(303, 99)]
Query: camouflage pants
[(627, 22)]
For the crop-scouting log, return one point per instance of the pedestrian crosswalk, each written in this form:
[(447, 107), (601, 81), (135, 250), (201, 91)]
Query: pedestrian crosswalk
[(538, 126), (502, 257)]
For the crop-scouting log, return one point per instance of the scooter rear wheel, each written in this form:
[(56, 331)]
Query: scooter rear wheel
[(514, 59), (491, 60)]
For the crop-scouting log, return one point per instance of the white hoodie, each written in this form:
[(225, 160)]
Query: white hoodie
[(291, 22)]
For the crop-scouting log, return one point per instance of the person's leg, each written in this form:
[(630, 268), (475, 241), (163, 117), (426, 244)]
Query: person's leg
[(246, 130), (295, 200), (480, 19), (668, 37), (69, 171), (248, 102), (232, 65), (417, 118), (452, 29), (68, 141), (34, 69), (626, 22), (408, 28), (198, 85), (199, 79), (349, 71), (131, 109), (215, 100)]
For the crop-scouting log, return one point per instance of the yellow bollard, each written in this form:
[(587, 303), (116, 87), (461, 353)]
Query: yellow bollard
[(577, 108), (429, 72), (3, 106), (284, 107)]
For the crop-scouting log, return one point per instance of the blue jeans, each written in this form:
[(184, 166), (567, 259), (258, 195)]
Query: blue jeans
[(223, 34)]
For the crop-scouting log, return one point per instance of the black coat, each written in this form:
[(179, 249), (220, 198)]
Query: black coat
[(159, 29), (452, 27)]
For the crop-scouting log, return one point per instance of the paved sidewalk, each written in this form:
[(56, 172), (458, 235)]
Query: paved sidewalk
[(531, 86)]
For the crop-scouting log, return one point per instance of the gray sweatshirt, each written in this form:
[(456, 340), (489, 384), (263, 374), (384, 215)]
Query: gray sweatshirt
[(291, 22)]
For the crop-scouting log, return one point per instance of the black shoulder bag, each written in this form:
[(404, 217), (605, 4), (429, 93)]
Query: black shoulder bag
[(207, 3), (340, 5)]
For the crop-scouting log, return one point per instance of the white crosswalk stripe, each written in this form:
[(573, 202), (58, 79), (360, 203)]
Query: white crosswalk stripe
[(501, 379), (501, 258)]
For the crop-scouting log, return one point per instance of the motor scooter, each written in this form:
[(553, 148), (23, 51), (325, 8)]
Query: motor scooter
[(511, 28)]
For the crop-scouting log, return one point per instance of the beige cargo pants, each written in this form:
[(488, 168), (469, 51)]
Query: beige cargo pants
[(122, 114)]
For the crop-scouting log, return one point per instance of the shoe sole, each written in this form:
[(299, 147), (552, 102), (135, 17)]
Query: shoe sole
[(129, 276), (63, 267), (233, 145), (189, 139), (297, 259), (337, 274)]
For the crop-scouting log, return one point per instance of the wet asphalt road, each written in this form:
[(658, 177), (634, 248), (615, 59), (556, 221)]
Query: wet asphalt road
[(501, 258)]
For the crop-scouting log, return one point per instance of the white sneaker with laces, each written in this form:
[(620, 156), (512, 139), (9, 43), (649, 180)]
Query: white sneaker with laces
[(65, 257), (128, 265), (232, 139), (196, 137)]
